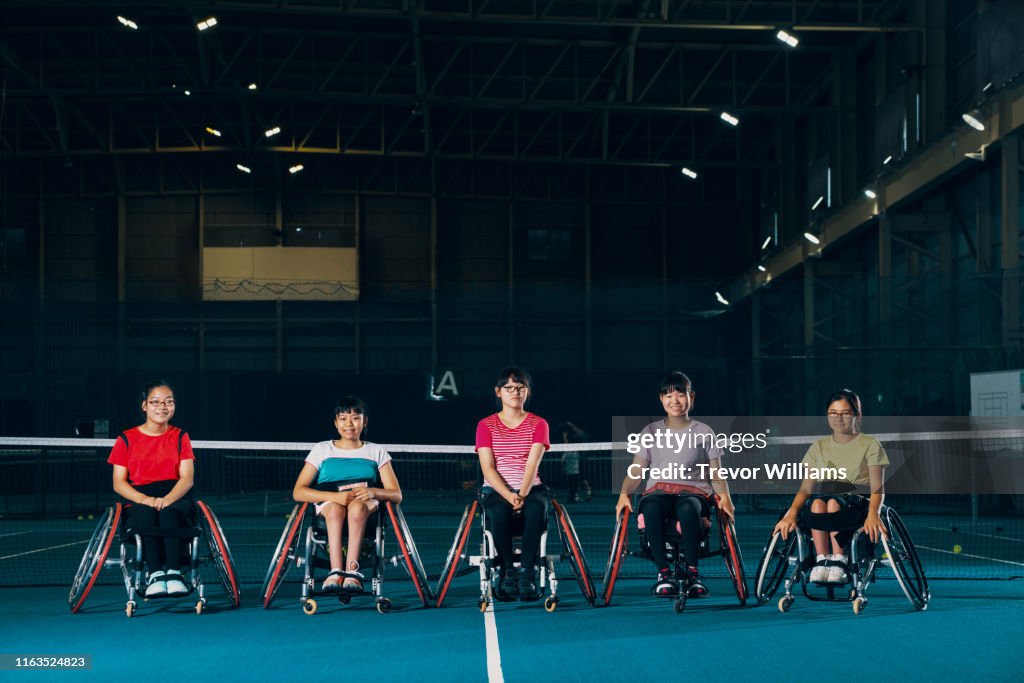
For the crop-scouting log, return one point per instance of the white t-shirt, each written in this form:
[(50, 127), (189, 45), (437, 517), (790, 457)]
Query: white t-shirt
[(326, 450)]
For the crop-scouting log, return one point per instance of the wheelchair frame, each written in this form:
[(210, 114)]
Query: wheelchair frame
[(728, 549), (287, 555), (898, 551), (113, 525)]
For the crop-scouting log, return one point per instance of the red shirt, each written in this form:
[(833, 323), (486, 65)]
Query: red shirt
[(151, 458), (511, 447)]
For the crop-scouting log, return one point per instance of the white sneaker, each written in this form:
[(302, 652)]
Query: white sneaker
[(837, 572), (175, 585), (156, 586), (819, 572)]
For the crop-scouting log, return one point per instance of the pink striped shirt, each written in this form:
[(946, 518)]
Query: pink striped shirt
[(511, 447)]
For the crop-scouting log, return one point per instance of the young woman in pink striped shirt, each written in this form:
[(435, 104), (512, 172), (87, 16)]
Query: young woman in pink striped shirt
[(511, 444)]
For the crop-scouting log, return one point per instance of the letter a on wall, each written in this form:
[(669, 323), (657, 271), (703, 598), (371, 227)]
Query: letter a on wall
[(443, 385)]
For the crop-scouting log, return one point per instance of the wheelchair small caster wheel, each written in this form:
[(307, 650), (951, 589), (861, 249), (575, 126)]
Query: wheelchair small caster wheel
[(383, 605), (483, 603), (129, 609), (200, 605), (679, 605), (551, 604), (859, 604), (344, 598), (853, 593), (785, 603), (309, 607)]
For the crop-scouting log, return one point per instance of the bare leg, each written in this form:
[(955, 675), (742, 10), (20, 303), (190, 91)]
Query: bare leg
[(833, 506), (821, 542), (334, 515), (358, 512)]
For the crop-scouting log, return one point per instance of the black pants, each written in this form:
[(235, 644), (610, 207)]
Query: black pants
[(658, 508), (501, 519), (161, 552)]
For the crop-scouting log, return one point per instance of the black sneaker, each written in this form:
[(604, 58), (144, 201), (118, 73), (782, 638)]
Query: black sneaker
[(695, 587), (665, 584), (528, 585), (504, 585)]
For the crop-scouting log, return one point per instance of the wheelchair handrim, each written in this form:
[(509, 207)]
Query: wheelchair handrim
[(454, 558), (616, 554), (275, 575), (223, 561), (111, 529)]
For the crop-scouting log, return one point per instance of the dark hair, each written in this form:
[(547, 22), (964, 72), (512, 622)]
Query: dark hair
[(151, 386), (848, 395), (351, 404), (675, 381), (517, 374)]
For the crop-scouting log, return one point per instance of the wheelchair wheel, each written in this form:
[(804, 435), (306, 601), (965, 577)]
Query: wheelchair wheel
[(774, 564), (220, 553), (574, 552), (905, 561), (455, 554), (95, 555), (287, 548), (733, 557), (620, 543), (413, 562)]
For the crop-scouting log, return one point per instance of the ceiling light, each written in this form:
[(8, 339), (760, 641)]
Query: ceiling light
[(128, 22), (207, 23), (762, 268), (721, 299), (810, 237), (869, 193), (213, 131), (688, 173), (973, 119), (252, 86), (886, 160), (295, 169), (273, 131), (987, 86), (730, 119), (818, 203), (243, 169), (788, 39), (767, 241)]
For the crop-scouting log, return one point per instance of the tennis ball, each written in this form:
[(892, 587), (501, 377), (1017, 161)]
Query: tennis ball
[(957, 549)]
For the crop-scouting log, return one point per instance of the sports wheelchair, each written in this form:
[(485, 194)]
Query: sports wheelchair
[(727, 547), (786, 562), (303, 544), (205, 545), (486, 561)]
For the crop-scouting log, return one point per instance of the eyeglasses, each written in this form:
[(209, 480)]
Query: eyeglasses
[(169, 403), (846, 414), (515, 389)]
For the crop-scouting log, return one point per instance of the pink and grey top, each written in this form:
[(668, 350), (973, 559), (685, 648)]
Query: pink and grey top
[(511, 447)]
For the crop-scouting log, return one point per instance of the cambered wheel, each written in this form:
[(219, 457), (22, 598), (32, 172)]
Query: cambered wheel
[(620, 543), (573, 551), (774, 565), (456, 556), (733, 557), (284, 556), (95, 555), (220, 553), (905, 562), (413, 563)]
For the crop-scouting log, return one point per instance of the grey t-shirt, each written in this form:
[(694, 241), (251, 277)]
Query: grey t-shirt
[(682, 451)]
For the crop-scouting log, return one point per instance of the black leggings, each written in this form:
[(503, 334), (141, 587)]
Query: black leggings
[(853, 510), (161, 552), (658, 508), (500, 518)]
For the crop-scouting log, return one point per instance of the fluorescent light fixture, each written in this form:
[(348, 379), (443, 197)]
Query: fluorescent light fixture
[(688, 173), (767, 241), (788, 39), (252, 86), (987, 86), (870, 194), (188, 92), (973, 119), (818, 202), (213, 131), (762, 268), (721, 299), (209, 22), (298, 229), (243, 169), (128, 22), (730, 119), (886, 160), (295, 169), (273, 131), (810, 237)]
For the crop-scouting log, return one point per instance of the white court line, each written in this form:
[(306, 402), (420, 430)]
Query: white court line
[(977, 533), (979, 557), (494, 674), (15, 533), (43, 550)]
